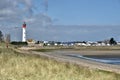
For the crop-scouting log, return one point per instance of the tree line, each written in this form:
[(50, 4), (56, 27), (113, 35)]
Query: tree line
[(1, 36)]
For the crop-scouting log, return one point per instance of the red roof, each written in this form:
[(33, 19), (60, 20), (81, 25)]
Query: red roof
[(24, 25)]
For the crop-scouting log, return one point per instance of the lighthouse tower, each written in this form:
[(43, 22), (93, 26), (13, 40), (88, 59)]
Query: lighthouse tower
[(24, 32)]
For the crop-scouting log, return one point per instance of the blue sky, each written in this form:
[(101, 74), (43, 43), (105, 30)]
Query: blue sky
[(65, 20), (85, 12)]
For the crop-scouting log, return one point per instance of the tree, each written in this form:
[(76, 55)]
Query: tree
[(112, 41), (7, 38), (1, 36)]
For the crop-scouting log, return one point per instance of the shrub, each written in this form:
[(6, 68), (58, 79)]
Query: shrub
[(19, 43)]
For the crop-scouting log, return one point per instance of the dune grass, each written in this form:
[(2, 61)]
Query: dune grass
[(17, 66)]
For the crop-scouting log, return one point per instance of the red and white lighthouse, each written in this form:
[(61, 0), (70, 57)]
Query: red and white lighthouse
[(24, 32)]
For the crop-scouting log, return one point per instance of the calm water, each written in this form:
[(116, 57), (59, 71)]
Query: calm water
[(107, 60)]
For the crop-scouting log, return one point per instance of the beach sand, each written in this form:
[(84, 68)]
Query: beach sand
[(61, 55), (64, 56)]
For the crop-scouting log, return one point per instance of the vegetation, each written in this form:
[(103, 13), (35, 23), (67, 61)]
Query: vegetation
[(44, 50), (17, 66), (112, 41), (18, 43), (50, 49), (1, 36)]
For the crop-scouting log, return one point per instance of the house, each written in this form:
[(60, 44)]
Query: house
[(31, 42)]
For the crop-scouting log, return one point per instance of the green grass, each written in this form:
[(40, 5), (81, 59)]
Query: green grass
[(17, 66), (50, 49), (44, 50)]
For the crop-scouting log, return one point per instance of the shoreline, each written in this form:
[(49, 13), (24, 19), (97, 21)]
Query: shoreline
[(97, 52), (60, 56)]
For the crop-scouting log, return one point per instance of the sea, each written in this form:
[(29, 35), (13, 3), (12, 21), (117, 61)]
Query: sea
[(107, 60)]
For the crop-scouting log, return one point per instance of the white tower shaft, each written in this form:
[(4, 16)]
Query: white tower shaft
[(24, 35)]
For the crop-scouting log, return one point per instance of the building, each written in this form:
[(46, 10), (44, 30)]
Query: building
[(24, 32)]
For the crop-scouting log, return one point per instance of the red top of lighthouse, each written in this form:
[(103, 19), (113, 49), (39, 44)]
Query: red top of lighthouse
[(24, 25)]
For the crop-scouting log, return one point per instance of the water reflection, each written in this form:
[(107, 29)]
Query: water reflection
[(103, 59)]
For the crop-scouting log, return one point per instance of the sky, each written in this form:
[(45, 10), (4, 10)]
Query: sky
[(61, 20)]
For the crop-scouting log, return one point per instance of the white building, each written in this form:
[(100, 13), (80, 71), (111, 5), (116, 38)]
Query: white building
[(24, 32)]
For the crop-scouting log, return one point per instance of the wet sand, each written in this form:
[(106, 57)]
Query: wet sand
[(94, 53)]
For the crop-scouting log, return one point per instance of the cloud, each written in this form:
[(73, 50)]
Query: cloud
[(70, 33), (14, 11), (17, 11), (40, 26)]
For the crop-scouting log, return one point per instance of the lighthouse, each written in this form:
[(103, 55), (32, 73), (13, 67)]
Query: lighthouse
[(24, 32)]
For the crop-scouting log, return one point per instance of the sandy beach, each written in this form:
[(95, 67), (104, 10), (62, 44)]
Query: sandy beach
[(62, 56)]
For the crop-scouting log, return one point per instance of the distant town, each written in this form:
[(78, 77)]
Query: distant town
[(109, 42)]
